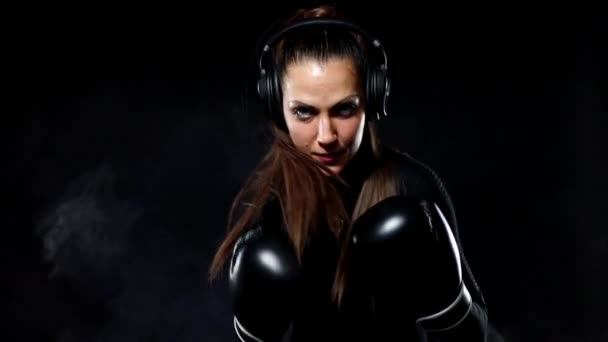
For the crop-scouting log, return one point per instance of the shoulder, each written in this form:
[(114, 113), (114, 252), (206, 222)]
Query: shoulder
[(257, 212), (417, 178)]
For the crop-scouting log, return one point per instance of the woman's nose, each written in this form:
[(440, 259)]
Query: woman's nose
[(326, 134)]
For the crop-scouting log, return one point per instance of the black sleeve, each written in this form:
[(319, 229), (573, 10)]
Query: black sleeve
[(475, 325), (425, 182)]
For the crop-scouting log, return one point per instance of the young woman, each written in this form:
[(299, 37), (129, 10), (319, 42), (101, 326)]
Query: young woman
[(336, 236)]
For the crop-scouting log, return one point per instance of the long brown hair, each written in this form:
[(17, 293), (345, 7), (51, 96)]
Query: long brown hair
[(299, 182)]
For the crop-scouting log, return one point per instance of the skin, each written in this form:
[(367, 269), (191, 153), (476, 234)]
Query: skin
[(323, 109)]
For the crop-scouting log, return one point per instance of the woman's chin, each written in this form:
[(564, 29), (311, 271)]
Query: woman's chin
[(334, 169)]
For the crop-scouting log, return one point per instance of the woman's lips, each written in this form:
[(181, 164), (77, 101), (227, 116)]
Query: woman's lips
[(329, 158)]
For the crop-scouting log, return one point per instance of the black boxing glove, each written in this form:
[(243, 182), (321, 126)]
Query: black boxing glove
[(405, 252), (263, 279)]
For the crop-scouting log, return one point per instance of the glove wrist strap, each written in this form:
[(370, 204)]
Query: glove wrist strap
[(451, 316)]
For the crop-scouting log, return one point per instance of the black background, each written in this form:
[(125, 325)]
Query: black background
[(139, 128)]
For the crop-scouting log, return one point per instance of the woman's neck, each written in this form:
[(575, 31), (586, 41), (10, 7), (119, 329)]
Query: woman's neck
[(355, 174)]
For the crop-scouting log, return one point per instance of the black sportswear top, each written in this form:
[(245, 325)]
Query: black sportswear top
[(318, 318)]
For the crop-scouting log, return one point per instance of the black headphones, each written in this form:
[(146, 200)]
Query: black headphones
[(377, 84)]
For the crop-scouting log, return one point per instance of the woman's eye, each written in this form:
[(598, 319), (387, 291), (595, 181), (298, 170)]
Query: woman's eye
[(302, 112), (347, 109)]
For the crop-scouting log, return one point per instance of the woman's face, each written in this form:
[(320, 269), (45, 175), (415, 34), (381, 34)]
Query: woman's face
[(323, 109)]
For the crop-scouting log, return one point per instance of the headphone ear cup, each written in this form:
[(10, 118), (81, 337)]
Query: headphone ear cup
[(261, 89), (276, 98), (372, 94), (380, 87), (381, 91), (264, 92), (386, 91)]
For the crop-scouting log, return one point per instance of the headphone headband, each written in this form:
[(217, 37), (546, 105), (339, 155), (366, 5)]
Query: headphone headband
[(322, 23)]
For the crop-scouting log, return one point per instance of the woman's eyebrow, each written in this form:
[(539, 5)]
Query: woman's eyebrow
[(296, 103), (347, 99)]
